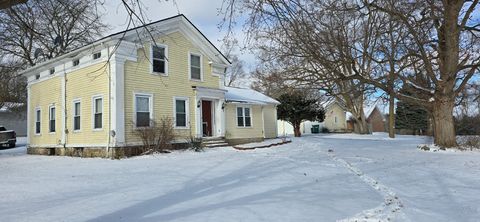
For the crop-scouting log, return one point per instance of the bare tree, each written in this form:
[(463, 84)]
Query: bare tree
[(436, 39), (236, 72)]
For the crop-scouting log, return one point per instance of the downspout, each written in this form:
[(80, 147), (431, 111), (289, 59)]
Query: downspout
[(109, 103), (64, 123)]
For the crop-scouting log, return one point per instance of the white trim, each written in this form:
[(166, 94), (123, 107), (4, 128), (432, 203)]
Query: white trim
[(38, 108), (190, 66), (243, 110), (263, 122), (276, 121), (73, 115), (29, 118), (150, 107), (95, 97), (166, 59), (49, 118), (187, 112), (117, 95)]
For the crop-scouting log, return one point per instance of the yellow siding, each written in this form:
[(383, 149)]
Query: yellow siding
[(83, 84), (139, 79), (42, 95), (335, 111), (270, 121), (234, 132), (80, 84)]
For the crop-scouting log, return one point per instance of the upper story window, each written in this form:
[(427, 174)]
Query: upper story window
[(97, 55), (37, 76), (244, 118), (52, 71), (51, 122), (75, 62), (38, 117), (159, 62), (143, 110), (195, 67), (76, 115), (97, 112)]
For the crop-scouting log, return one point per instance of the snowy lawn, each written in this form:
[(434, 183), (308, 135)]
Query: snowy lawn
[(361, 177)]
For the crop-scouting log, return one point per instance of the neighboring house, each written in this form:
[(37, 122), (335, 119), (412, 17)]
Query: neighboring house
[(335, 120), (93, 99), (14, 120), (375, 119)]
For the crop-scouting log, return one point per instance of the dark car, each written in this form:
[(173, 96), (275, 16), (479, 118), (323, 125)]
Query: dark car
[(8, 138)]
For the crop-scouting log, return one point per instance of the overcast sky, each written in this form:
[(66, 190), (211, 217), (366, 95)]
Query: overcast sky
[(202, 13)]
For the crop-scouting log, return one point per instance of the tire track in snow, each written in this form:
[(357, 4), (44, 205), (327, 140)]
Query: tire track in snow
[(391, 207)]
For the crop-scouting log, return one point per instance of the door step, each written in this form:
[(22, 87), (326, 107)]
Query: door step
[(214, 142)]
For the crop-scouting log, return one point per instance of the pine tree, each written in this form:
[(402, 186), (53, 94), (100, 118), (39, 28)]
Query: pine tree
[(297, 106), (411, 117)]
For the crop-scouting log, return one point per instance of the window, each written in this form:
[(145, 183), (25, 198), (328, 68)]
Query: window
[(97, 112), (158, 59), (142, 110), (195, 67), (52, 71), (38, 117), (76, 115), (97, 55), (51, 118), (181, 112), (75, 62), (336, 119), (244, 118), (37, 76)]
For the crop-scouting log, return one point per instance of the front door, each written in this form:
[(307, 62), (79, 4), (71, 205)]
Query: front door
[(207, 118)]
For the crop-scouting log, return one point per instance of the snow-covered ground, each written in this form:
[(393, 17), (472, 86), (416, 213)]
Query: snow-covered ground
[(314, 178)]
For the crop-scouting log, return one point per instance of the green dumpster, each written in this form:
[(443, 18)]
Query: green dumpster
[(315, 128)]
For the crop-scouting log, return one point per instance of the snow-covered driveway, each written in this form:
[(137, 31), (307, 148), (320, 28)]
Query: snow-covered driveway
[(300, 181)]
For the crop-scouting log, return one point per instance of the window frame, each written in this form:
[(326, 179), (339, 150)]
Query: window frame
[(187, 112), (50, 119), (150, 108), (165, 47), (94, 110), (75, 62), (94, 55), (38, 118), (190, 66), (74, 102), (243, 116)]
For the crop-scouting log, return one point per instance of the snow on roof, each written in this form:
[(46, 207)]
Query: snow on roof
[(369, 109), (9, 105), (234, 94)]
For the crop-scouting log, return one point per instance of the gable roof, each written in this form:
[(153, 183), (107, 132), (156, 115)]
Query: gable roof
[(122, 36), (251, 96)]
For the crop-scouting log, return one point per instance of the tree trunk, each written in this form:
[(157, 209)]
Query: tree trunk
[(443, 124), (391, 117), (296, 130), (360, 126)]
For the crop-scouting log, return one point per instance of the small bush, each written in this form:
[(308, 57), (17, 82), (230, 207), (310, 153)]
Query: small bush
[(325, 130), (158, 136), (470, 142)]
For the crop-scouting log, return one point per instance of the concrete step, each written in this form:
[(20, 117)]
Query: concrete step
[(213, 145), (213, 139)]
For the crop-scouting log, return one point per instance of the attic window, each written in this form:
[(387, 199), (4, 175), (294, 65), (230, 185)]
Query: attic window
[(52, 71), (97, 55), (37, 76), (75, 62)]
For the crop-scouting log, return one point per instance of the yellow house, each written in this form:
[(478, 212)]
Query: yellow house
[(335, 120), (90, 101)]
